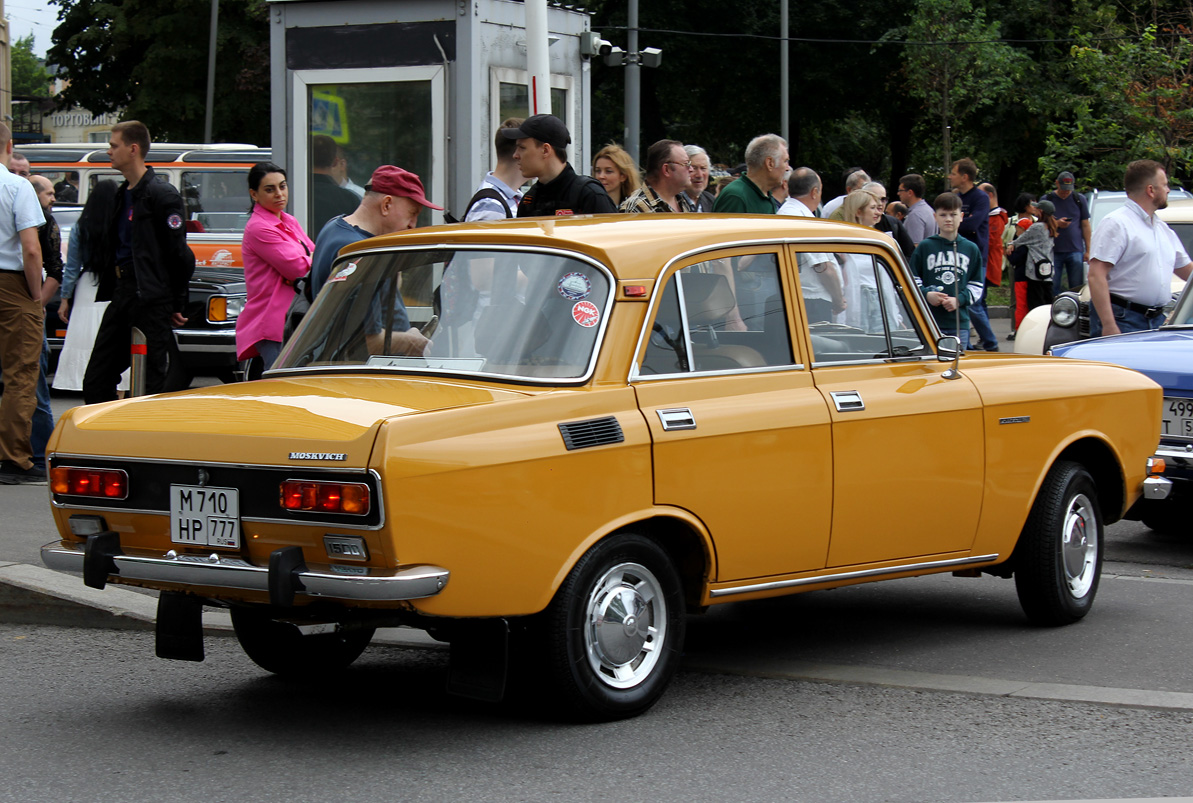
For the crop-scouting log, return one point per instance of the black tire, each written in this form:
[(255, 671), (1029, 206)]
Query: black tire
[(1059, 557), (1166, 517), (613, 634), (280, 648)]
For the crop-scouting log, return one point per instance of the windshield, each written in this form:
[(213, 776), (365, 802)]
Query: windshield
[(521, 314), (217, 201), (1182, 315)]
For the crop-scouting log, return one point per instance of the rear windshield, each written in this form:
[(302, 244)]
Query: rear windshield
[(516, 314)]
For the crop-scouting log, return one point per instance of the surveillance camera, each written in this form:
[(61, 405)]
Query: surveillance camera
[(591, 44), (615, 57)]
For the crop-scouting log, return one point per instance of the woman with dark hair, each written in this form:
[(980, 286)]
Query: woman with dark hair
[(1037, 268), (276, 252), (89, 268)]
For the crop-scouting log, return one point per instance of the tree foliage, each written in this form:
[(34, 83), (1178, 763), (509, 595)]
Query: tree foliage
[(150, 59), (29, 75)]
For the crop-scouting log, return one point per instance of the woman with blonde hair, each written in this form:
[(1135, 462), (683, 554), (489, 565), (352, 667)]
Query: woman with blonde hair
[(863, 309), (616, 171)]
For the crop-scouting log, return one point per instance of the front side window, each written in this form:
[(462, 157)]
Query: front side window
[(876, 321), (520, 314), (720, 314)]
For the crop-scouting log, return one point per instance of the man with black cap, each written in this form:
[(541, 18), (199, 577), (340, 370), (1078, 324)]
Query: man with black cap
[(1071, 248), (542, 154)]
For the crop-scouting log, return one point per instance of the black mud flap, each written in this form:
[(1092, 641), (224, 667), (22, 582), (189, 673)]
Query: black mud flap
[(97, 558), (179, 627), (479, 660), (284, 566)]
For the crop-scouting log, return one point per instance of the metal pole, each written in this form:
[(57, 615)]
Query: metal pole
[(784, 81), (215, 19), (538, 63), (633, 85), (138, 350)]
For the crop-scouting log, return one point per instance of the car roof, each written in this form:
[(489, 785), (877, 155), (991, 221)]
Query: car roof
[(1178, 211), (634, 246), (159, 153)]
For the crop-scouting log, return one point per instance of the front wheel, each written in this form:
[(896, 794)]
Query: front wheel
[(1060, 552), (615, 630), (281, 648)]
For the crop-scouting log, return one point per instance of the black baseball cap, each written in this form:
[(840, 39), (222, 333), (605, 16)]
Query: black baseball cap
[(545, 128)]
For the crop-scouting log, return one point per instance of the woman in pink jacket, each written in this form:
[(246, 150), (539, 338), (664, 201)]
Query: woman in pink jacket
[(276, 252)]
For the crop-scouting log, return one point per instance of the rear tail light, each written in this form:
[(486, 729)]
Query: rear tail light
[(325, 497), (105, 483)]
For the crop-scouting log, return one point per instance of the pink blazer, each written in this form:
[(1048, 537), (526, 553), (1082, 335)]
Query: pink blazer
[(275, 252)]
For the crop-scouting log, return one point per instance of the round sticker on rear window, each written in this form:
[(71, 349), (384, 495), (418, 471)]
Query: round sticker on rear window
[(575, 286), (586, 314), (348, 270)]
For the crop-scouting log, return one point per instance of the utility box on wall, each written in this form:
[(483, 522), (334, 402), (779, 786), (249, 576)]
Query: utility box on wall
[(422, 84)]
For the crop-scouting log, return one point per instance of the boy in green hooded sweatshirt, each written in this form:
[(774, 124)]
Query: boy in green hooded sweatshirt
[(948, 270)]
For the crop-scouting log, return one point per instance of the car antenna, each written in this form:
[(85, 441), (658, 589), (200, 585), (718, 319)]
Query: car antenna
[(954, 371)]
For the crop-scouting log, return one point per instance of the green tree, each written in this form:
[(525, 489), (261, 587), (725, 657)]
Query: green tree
[(1133, 101), (150, 59), (954, 65), (29, 75)]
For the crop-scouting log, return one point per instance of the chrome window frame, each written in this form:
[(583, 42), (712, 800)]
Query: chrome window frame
[(888, 246), (590, 369)]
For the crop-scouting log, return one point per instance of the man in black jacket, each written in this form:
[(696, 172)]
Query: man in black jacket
[(542, 154), (153, 270)]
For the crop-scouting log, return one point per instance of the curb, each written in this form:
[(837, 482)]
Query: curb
[(34, 595)]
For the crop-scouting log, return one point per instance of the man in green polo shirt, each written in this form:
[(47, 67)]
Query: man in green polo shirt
[(766, 167)]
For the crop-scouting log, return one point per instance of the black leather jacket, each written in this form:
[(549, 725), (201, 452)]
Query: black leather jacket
[(162, 261), (566, 194)]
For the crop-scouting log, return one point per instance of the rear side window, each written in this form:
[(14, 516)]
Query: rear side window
[(217, 201)]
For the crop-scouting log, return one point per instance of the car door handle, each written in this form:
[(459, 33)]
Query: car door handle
[(848, 401), (677, 418)]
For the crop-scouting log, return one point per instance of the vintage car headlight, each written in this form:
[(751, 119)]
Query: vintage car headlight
[(222, 309), (1064, 311)]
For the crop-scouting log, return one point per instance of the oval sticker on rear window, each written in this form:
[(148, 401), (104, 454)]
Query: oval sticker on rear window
[(575, 286), (586, 314)]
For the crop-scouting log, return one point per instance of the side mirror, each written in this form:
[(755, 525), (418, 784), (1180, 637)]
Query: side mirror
[(948, 348)]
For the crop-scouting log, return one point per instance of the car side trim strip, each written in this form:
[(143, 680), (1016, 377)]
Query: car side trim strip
[(332, 581), (834, 578)]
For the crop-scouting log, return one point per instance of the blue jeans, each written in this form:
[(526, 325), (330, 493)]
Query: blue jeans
[(979, 318), (963, 336), (1071, 263), (43, 416), (1127, 320), (269, 351)]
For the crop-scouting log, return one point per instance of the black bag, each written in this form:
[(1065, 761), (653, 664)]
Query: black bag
[(298, 306), (1017, 259), (484, 192)]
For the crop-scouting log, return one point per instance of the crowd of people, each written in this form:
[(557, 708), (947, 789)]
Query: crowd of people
[(128, 264)]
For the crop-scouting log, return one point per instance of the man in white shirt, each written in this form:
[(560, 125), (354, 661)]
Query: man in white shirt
[(500, 191), (22, 327), (819, 275), (1133, 255)]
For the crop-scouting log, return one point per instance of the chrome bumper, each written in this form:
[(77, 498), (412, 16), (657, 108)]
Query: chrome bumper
[(333, 581), (1157, 488)]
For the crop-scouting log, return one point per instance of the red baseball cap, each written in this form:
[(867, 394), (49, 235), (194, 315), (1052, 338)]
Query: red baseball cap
[(390, 180)]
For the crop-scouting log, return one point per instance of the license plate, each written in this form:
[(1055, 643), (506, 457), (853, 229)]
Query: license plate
[(1177, 418), (205, 516)]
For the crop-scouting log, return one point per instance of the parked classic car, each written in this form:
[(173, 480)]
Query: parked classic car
[(213, 180), (1067, 319), (619, 421), (1165, 355)]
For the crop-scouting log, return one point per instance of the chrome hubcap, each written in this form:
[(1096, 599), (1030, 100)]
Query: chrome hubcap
[(1079, 545), (626, 625)]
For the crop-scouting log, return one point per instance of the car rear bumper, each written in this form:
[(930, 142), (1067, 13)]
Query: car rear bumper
[(101, 557)]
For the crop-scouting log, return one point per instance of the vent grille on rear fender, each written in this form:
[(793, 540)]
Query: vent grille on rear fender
[(597, 432)]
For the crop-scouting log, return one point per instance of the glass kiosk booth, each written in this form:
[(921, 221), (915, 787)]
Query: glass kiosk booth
[(422, 84)]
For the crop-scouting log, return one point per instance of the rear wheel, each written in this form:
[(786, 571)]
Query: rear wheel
[(615, 630), (281, 648), (1060, 552)]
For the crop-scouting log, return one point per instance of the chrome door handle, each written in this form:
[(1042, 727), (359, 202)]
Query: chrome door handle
[(848, 401), (677, 418)]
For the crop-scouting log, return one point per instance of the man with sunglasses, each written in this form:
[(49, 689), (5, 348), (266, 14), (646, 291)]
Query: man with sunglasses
[(668, 176)]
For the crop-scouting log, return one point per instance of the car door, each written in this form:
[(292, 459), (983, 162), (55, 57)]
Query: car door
[(908, 444), (740, 433)]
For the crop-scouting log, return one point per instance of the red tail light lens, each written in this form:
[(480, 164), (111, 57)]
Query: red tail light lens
[(325, 497), (105, 483)]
